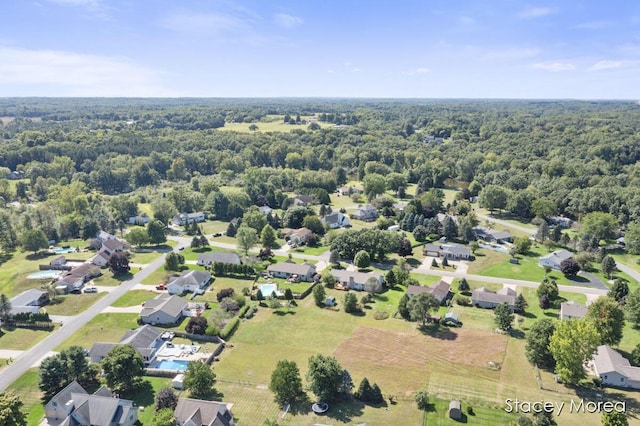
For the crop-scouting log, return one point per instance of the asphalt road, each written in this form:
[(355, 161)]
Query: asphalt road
[(30, 357)]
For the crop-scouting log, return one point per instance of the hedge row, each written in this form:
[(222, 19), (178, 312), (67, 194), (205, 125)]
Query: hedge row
[(230, 328)]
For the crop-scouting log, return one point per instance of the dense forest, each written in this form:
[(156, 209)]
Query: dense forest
[(90, 161)]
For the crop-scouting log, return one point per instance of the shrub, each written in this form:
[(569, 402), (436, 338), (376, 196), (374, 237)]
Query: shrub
[(230, 328), (243, 311), (381, 315), (212, 330), (225, 292), (463, 300)]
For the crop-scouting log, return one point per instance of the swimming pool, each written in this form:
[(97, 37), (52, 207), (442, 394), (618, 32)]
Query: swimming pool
[(172, 364), (268, 289), (60, 250), (41, 275)]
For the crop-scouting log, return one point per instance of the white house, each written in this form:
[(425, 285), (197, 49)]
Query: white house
[(184, 218), (614, 369), (368, 213), (189, 281), (554, 259), (304, 271), (335, 220), (362, 281), (483, 298)]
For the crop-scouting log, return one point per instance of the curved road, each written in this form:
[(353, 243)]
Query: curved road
[(30, 357)]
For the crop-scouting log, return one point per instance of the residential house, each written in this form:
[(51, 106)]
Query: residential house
[(450, 251), (208, 259), (400, 206), (371, 282), (433, 139), (59, 263), (29, 301), (182, 219), (103, 236), (572, 310), (440, 290), (614, 369), (164, 309), (74, 406), (349, 190), (554, 259), (101, 259), (492, 235), (368, 213), (561, 221), (197, 412), (113, 245), (335, 220), (483, 298), (146, 340), (188, 281), (78, 276), (140, 220), (304, 271), (300, 236), (302, 200), (15, 175), (265, 210)]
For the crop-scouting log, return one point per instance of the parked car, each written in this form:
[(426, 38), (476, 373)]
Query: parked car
[(161, 287), (90, 290)]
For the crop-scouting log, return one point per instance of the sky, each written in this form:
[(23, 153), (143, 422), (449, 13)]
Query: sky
[(321, 48)]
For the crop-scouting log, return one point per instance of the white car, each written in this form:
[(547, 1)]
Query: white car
[(90, 290)]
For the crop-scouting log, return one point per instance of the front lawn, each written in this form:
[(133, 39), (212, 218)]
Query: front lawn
[(103, 328), (73, 304), (20, 339), (134, 298), (26, 387)]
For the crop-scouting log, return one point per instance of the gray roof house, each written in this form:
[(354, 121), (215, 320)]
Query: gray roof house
[(182, 219), (614, 369), (164, 309), (355, 280), (483, 298), (554, 259), (335, 220), (208, 259), (29, 301), (188, 281), (146, 340), (286, 269), (449, 251), (492, 235), (367, 213), (74, 406), (572, 310), (197, 412), (440, 290)]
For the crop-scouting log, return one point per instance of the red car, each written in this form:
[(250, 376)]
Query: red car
[(161, 287)]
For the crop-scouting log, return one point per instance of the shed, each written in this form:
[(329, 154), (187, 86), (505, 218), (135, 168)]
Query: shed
[(330, 301), (177, 381), (455, 411)]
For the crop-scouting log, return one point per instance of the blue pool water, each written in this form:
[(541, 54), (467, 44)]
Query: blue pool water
[(43, 275), (268, 289), (172, 364), (59, 250)]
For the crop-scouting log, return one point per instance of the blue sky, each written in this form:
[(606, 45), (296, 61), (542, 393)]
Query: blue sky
[(348, 48)]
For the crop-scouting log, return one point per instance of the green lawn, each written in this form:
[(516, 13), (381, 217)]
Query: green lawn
[(192, 254), (103, 328), (214, 226), (144, 257), (313, 251), (145, 396), (134, 298), (20, 339), (271, 123), (158, 276), (482, 415), (26, 386), (73, 304)]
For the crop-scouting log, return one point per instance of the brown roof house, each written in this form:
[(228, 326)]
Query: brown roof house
[(483, 298), (197, 412), (572, 310), (440, 290), (614, 369), (305, 271), (74, 406)]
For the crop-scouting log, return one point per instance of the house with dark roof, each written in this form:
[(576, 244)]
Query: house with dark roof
[(74, 406), (368, 213), (140, 220), (101, 259), (182, 219), (208, 259), (164, 309), (198, 412), (305, 271), (189, 281), (361, 281), (554, 259), (29, 301), (572, 310), (440, 290), (113, 245), (614, 369), (146, 340), (300, 236), (302, 200), (335, 220), (492, 235), (450, 251), (483, 298), (75, 279)]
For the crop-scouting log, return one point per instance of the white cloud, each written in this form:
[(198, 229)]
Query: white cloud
[(421, 70), (605, 65), (95, 8), (288, 21), (593, 25), (205, 23), (76, 74), (512, 53), (535, 12), (555, 66), (466, 20)]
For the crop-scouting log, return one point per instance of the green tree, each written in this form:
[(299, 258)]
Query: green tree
[(374, 185), (334, 257), (324, 376), (544, 418), (573, 343), (137, 237), (422, 399), (119, 263), (632, 308), (57, 371), (163, 210), (493, 197), (173, 261), (608, 266), (319, 295), (156, 230), (420, 305), (364, 390), (362, 260), (537, 344), (166, 398), (632, 238), (463, 285), (599, 224), (199, 379), (350, 303), (619, 290), (569, 266), (548, 288), (522, 244), (542, 234), (608, 318), (5, 308), (254, 218), (34, 240), (123, 368), (521, 304), (614, 418), (403, 307), (286, 383), (503, 317), (163, 417), (313, 223), (11, 410), (268, 236), (247, 237)]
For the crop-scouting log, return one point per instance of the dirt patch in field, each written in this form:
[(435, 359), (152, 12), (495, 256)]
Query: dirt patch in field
[(455, 346)]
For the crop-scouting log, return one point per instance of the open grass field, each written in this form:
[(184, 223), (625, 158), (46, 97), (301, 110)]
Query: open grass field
[(271, 123), (144, 257), (20, 339), (26, 386), (103, 328), (134, 298), (192, 254), (73, 304)]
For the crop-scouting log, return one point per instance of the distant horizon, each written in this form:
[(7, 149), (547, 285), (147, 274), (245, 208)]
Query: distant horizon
[(407, 49)]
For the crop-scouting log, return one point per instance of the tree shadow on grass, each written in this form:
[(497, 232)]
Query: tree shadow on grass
[(414, 263), (518, 334), (435, 331), (123, 277), (345, 411), (142, 396), (551, 314), (5, 257), (301, 406), (282, 313), (37, 256)]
